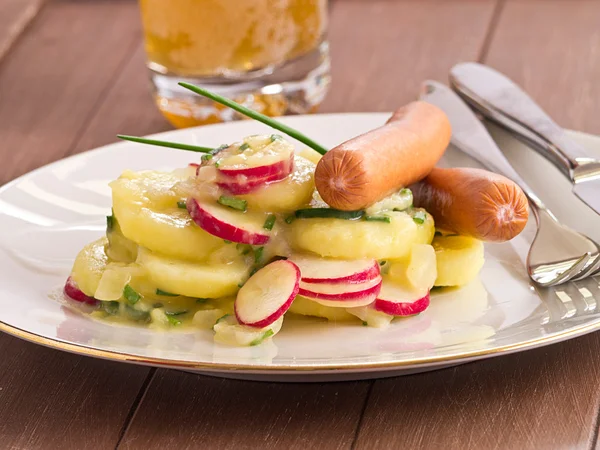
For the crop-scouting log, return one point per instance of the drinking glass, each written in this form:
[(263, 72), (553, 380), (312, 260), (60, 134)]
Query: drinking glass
[(269, 55)]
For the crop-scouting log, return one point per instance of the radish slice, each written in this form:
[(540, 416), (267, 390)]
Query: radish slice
[(72, 291), (396, 301), (347, 303), (276, 171), (228, 224), (340, 292), (240, 185), (267, 294), (315, 269), (259, 161)]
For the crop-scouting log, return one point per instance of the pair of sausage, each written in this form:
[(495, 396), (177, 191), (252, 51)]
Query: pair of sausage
[(403, 152)]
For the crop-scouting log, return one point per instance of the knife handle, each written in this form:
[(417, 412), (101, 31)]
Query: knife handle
[(499, 99)]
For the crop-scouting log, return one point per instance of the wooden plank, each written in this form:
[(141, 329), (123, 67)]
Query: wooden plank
[(52, 80), (383, 50), (15, 16), (127, 108), (541, 398), (49, 87), (553, 51), (51, 399), (183, 410), (538, 399)]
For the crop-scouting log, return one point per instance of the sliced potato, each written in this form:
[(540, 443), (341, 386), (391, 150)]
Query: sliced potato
[(193, 279), (416, 271), (355, 239), (459, 259), (89, 266), (287, 195), (145, 205)]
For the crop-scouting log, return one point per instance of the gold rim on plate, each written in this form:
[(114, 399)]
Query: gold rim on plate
[(220, 367)]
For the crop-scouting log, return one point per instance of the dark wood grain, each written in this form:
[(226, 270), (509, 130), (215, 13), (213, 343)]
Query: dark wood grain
[(15, 16), (54, 77), (553, 51), (541, 399), (51, 82), (383, 50), (50, 399), (126, 108), (183, 410)]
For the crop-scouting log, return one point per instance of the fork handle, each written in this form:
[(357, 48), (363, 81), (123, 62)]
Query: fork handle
[(499, 99)]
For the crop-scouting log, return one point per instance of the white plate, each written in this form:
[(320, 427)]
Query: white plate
[(48, 215)]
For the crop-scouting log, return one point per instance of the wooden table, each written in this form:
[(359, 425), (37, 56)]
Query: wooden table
[(72, 75)]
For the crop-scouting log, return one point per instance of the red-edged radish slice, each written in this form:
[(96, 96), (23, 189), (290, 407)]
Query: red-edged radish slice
[(277, 170), (258, 161), (240, 185), (354, 302), (227, 223), (267, 294), (72, 291), (315, 269), (340, 292), (396, 301)]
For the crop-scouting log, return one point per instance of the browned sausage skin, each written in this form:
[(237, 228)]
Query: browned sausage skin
[(473, 202), (371, 166)]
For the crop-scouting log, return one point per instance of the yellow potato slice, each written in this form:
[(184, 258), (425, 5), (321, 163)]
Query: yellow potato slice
[(89, 266), (287, 195), (193, 279), (305, 307), (459, 259), (355, 239)]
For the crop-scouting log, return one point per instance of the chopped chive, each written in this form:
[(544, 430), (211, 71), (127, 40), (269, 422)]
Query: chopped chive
[(136, 314), (328, 213), (258, 254), (206, 157), (157, 305), (221, 318), (244, 249), (201, 300), (365, 324), (110, 223), (176, 313), (174, 321), (220, 148), (244, 146), (165, 293), (289, 219), (217, 164), (385, 219), (233, 202), (419, 217), (269, 222), (131, 295), (191, 148), (261, 338), (182, 204), (405, 191), (382, 262), (241, 284), (253, 271), (256, 116), (227, 241), (275, 137), (111, 308)]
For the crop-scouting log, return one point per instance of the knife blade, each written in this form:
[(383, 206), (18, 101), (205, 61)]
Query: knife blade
[(499, 99), (468, 133)]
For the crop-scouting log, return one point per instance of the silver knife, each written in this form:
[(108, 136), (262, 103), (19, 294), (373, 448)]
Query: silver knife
[(499, 99), (471, 137)]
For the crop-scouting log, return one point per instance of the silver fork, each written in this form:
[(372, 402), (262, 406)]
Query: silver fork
[(558, 253)]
